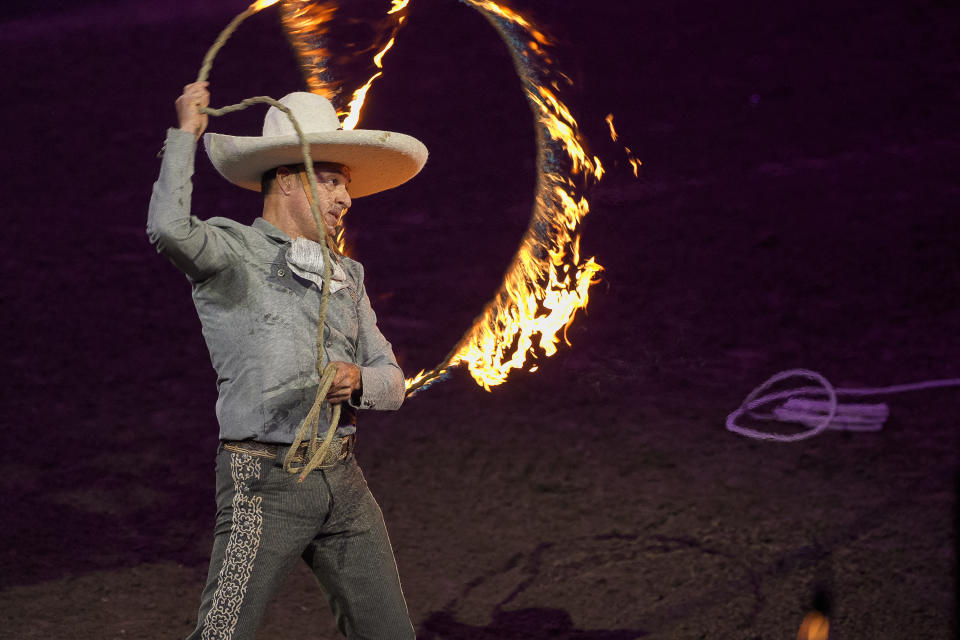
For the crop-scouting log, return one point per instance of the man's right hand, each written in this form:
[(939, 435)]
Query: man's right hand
[(195, 96)]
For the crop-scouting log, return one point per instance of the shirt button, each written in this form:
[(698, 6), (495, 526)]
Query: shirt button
[(280, 273)]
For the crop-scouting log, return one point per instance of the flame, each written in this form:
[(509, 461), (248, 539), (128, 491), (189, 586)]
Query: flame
[(633, 162), (598, 168), (307, 26), (262, 4), (547, 281), (356, 104), (378, 59), (613, 132), (511, 16), (556, 117), (353, 112)]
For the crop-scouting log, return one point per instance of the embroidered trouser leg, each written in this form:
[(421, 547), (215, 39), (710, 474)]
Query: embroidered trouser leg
[(266, 520)]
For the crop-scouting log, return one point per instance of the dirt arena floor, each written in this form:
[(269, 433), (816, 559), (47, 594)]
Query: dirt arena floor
[(797, 207)]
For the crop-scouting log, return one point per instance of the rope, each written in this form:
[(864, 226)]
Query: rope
[(818, 416), (311, 422), (221, 40)]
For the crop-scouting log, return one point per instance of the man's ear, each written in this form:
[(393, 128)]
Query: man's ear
[(286, 180)]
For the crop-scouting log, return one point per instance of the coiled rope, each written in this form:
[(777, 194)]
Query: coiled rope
[(818, 415), (310, 427)]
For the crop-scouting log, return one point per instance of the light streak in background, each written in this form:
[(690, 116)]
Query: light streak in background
[(547, 280), (307, 25)]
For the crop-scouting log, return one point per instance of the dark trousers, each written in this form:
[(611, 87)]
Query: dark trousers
[(266, 520)]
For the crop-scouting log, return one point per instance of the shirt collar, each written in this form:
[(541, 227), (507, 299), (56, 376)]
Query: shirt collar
[(269, 230)]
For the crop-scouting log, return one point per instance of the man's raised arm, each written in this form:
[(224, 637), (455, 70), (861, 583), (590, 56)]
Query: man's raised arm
[(195, 247)]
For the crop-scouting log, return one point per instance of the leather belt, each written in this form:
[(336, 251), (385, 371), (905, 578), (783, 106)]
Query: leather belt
[(340, 448)]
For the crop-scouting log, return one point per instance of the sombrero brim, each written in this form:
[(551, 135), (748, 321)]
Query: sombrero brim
[(378, 160)]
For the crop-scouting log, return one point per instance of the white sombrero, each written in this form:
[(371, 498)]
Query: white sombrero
[(378, 160)]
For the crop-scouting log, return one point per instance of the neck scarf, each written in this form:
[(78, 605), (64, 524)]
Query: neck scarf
[(305, 258)]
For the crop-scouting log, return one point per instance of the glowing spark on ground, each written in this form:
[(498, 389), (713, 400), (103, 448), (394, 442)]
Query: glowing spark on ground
[(815, 626), (398, 5)]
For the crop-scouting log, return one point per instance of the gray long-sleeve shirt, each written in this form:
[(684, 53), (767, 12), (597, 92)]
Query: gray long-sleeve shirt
[(260, 319)]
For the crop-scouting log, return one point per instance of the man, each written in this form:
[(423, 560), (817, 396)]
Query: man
[(257, 291)]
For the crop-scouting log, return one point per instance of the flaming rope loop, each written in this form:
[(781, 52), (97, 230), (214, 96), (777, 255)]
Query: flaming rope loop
[(310, 425), (546, 282)]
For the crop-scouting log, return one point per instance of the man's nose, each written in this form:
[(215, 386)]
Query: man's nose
[(343, 197)]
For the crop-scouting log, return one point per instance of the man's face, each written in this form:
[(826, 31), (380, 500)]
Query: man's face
[(334, 200)]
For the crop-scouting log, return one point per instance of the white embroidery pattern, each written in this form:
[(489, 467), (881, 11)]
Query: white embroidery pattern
[(245, 532)]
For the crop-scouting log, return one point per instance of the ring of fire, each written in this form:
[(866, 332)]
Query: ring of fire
[(547, 281)]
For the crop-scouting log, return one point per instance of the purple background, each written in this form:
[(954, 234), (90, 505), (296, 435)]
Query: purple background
[(796, 208)]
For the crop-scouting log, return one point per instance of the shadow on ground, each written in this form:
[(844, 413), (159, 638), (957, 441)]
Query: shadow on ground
[(522, 624)]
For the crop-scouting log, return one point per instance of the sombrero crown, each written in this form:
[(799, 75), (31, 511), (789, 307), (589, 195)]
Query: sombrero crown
[(378, 160)]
